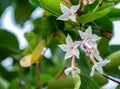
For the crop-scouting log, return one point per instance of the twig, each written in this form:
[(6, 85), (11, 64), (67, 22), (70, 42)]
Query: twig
[(110, 78), (38, 74), (104, 33)]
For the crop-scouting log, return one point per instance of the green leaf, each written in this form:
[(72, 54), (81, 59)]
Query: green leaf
[(114, 14), (103, 46), (100, 80), (34, 2), (32, 42), (45, 78), (4, 4), (23, 11), (52, 6), (74, 2), (8, 44), (77, 82), (64, 83), (87, 83), (118, 87), (107, 23), (113, 48), (82, 63), (95, 15), (14, 84), (114, 61)]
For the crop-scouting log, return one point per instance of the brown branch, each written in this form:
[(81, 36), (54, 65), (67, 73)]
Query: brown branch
[(110, 78)]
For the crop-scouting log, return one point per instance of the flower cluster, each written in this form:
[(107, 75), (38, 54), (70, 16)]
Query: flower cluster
[(88, 42)]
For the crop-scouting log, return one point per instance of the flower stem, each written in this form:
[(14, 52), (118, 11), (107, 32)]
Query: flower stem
[(73, 62), (110, 78)]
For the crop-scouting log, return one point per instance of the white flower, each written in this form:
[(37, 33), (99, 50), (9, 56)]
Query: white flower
[(68, 13), (94, 53), (73, 71), (88, 37), (98, 66), (70, 47)]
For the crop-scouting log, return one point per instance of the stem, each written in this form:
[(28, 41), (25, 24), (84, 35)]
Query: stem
[(38, 74), (110, 78)]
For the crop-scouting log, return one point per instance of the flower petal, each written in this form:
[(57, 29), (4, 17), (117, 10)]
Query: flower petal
[(89, 31), (63, 17), (75, 52), (64, 9), (74, 8), (99, 69), (76, 44), (82, 34), (67, 71), (92, 71), (104, 62), (73, 17), (99, 58), (63, 47), (94, 37), (68, 55), (75, 71), (69, 40)]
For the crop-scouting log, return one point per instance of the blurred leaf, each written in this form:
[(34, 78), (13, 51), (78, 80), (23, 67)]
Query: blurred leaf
[(34, 2), (52, 6), (37, 52), (14, 84), (45, 78), (8, 44), (95, 15), (32, 42), (64, 83), (77, 82), (4, 4), (23, 11)]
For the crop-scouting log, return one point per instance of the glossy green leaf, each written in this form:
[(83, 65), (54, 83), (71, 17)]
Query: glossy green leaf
[(100, 80), (95, 15), (52, 6), (4, 4), (114, 61), (114, 14), (34, 2), (63, 83), (8, 44), (23, 11), (87, 83)]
